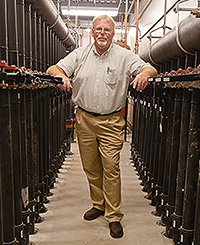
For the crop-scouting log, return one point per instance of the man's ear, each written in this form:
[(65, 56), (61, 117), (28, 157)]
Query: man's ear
[(92, 32)]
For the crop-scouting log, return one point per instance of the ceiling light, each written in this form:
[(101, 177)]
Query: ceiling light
[(84, 11)]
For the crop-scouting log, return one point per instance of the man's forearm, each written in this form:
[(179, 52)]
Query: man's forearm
[(56, 71), (149, 71)]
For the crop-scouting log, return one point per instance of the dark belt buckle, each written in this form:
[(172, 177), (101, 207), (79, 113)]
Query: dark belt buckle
[(95, 114)]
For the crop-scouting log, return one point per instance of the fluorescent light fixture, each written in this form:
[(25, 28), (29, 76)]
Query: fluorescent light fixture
[(83, 11)]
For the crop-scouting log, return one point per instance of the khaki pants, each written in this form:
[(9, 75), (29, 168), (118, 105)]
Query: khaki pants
[(100, 141)]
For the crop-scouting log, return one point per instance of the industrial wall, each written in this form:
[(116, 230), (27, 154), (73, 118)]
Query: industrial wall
[(153, 11), (33, 35)]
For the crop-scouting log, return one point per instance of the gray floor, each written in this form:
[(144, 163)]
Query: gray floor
[(64, 223)]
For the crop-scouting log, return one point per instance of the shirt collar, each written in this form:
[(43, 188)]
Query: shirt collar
[(107, 51)]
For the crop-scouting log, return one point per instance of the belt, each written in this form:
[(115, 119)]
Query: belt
[(97, 114)]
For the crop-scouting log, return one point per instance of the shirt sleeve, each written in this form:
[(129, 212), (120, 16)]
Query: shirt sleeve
[(136, 64), (69, 63)]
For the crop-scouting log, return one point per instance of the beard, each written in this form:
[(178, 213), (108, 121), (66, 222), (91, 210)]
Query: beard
[(100, 43)]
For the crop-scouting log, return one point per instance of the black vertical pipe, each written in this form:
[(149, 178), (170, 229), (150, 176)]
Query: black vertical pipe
[(31, 183), (170, 95), (28, 36), (1, 208), (43, 46), (50, 47), (56, 48), (53, 48), (151, 131), (34, 39), (4, 31), (35, 151), (146, 138), (48, 177), (164, 103), (192, 169), (184, 132), (39, 43), (126, 113), (45, 147), (7, 168), (41, 139), (25, 188), (47, 46), (13, 52), (17, 160), (158, 132), (21, 31), (173, 161), (197, 214)]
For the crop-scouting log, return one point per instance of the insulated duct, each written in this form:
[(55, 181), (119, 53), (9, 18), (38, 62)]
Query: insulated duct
[(50, 14), (176, 43)]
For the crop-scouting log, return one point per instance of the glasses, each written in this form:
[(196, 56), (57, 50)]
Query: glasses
[(98, 30)]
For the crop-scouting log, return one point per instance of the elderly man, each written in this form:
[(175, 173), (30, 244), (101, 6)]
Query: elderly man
[(101, 76)]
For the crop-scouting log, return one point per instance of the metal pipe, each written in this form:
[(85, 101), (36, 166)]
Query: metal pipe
[(7, 168), (43, 46), (21, 31), (125, 23), (137, 22), (13, 53), (197, 216), (166, 48), (17, 161), (159, 19), (184, 131), (165, 10), (4, 31), (39, 41), (25, 188), (131, 7), (34, 39), (28, 59), (192, 170), (50, 14), (173, 164)]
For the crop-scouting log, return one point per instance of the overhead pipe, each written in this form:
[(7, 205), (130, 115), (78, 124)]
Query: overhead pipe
[(167, 48), (51, 16)]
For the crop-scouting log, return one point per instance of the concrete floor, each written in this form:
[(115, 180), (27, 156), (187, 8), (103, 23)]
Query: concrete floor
[(64, 223)]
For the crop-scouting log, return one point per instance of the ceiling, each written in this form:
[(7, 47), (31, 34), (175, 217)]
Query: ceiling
[(120, 5)]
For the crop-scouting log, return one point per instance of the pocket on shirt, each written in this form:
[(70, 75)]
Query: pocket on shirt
[(111, 76)]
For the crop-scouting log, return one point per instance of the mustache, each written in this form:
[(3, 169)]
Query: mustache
[(102, 36)]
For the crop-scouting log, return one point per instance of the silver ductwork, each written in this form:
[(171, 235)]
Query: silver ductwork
[(50, 14), (176, 43)]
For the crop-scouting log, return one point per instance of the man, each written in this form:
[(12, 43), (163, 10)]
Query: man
[(101, 76)]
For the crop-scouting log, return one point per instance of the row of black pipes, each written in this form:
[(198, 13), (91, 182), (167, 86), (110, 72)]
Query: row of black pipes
[(36, 129), (26, 39), (165, 152)]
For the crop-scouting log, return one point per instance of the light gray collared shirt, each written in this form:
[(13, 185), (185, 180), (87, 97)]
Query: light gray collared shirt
[(100, 83)]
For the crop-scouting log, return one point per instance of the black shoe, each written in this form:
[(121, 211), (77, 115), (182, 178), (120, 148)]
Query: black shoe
[(93, 213), (116, 230)]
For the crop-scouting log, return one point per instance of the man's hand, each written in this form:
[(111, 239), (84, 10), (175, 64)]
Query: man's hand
[(140, 82), (66, 84), (56, 71)]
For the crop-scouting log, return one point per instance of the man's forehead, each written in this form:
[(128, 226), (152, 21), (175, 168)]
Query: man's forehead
[(103, 22)]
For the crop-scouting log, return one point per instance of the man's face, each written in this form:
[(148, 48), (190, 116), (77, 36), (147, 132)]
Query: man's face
[(103, 34)]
